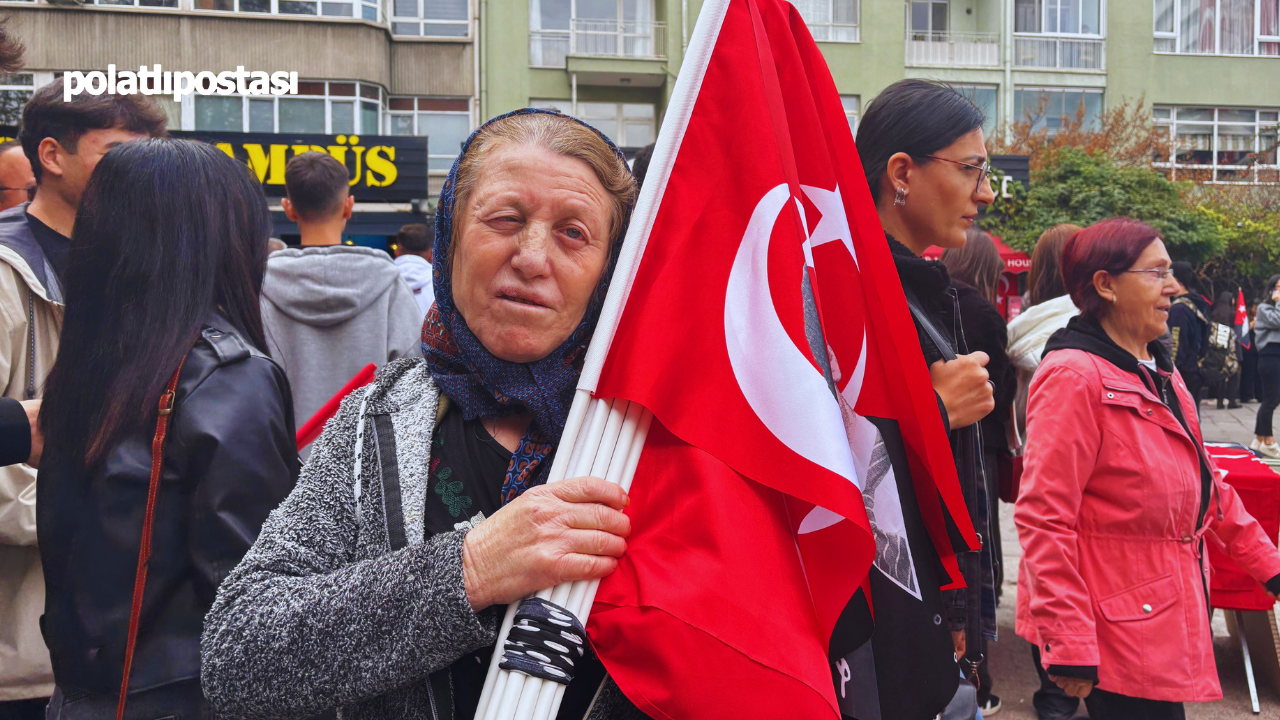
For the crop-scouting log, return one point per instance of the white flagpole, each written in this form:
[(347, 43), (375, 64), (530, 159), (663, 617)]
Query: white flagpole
[(602, 434)]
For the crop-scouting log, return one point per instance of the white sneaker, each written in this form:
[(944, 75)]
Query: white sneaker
[(1255, 443), (1271, 450)]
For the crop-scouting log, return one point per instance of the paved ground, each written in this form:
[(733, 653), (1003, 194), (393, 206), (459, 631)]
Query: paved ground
[(1013, 677)]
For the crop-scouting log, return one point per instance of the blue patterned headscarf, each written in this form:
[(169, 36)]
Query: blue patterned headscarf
[(486, 386)]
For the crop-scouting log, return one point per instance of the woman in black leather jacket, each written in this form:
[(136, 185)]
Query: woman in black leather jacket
[(167, 260)]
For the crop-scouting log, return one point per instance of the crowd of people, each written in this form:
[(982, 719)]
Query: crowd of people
[(176, 557)]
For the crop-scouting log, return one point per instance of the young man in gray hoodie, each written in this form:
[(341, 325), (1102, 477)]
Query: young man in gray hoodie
[(330, 309)]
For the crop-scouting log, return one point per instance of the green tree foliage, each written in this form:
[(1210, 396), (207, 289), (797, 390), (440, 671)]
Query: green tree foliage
[(1251, 249), (1073, 186)]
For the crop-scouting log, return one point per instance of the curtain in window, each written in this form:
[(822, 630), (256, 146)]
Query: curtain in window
[(1196, 31), (638, 18), (1237, 27), (548, 49), (1269, 12), (1026, 16), (1164, 15)]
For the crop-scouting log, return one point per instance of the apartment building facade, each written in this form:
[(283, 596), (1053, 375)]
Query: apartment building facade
[(1207, 70), (367, 69)]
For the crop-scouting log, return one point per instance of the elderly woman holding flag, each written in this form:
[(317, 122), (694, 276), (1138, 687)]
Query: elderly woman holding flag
[(378, 586)]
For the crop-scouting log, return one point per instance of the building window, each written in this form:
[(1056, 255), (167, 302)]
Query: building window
[(1235, 145), (984, 96), (431, 18), (15, 91), (134, 3), (446, 123), (595, 28), (928, 19), (1217, 27), (1058, 17), (1049, 108), (366, 9), (628, 125), (852, 108), (833, 20), (319, 108)]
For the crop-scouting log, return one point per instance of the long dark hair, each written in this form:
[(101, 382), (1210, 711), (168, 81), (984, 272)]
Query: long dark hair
[(916, 117), (168, 231), (978, 263)]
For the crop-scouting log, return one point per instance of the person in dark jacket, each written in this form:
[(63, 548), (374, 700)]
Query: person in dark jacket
[(167, 261), (1224, 313), (1188, 326), (925, 160), (975, 274)]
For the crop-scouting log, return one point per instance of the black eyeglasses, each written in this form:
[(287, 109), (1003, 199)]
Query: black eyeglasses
[(984, 170)]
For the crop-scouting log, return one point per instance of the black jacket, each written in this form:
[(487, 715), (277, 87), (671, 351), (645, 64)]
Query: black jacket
[(985, 330), (229, 459), (928, 283), (1189, 328)]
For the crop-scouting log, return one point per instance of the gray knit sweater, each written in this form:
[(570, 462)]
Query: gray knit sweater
[(321, 612)]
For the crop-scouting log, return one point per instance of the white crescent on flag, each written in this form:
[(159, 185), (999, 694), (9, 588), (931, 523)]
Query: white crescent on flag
[(791, 396)]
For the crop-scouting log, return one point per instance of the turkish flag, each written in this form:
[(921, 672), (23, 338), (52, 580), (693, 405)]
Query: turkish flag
[(764, 326), (1242, 320)]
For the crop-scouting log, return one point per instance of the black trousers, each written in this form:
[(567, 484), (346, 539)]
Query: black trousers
[(1269, 372), (1050, 702), (1249, 385), (1105, 705)]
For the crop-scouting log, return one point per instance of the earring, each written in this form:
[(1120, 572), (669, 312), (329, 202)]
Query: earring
[(900, 196)]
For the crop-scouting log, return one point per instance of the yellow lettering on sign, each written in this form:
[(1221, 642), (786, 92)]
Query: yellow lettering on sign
[(382, 165), (299, 149), (226, 148), (263, 163)]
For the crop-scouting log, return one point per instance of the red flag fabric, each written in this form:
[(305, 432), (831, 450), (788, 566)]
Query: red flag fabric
[(764, 324), (311, 430), (1242, 320)]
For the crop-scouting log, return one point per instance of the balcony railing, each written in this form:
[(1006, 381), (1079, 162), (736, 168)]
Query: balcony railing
[(950, 49), (1060, 53), (598, 38)]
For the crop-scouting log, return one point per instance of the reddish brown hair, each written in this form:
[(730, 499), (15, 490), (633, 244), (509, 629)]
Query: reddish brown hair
[(1045, 277), (1112, 246)]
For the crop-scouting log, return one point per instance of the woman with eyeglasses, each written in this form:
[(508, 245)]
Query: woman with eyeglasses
[(1119, 497), (925, 160)]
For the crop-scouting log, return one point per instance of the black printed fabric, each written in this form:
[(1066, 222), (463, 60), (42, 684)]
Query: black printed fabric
[(467, 469)]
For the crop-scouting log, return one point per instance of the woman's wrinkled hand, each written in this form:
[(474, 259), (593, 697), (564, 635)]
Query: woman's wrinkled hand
[(1075, 687), (562, 532), (964, 388)]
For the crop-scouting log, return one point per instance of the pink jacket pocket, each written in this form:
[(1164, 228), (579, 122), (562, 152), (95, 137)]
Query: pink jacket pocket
[(1140, 602)]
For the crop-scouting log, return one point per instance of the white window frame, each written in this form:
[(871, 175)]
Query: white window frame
[(29, 89), (1101, 92), (358, 8), (422, 21), (1171, 122), (855, 26), (1044, 14), (1176, 36), (418, 131), (358, 100), (852, 105), (177, 4), (995, 117), (620, 117)]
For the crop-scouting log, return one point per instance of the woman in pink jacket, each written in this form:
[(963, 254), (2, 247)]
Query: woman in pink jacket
[(1119, 497)]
